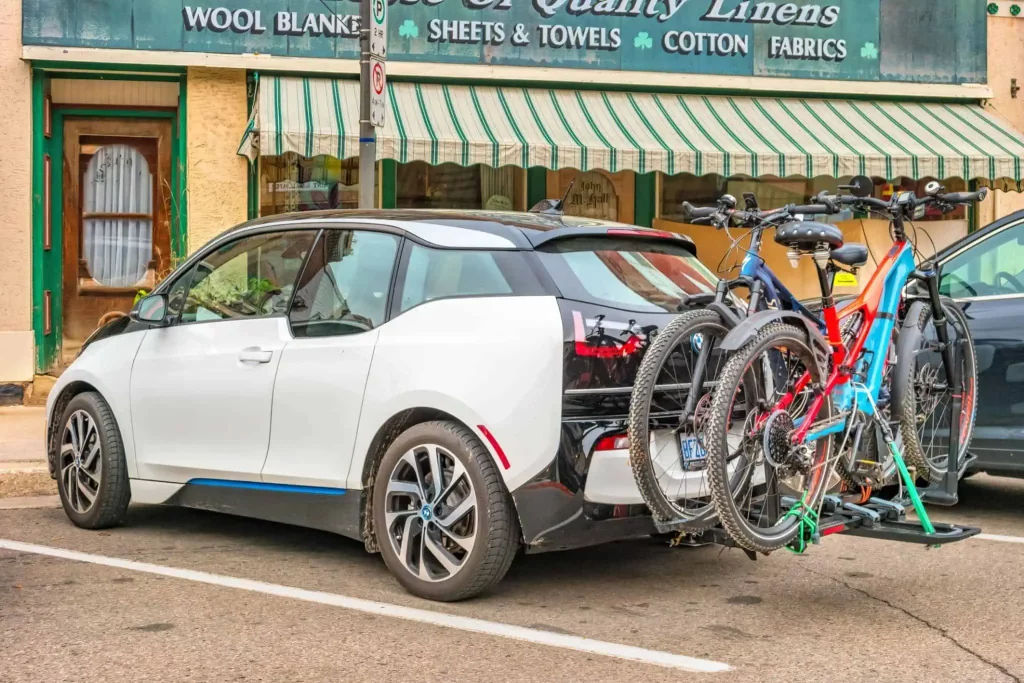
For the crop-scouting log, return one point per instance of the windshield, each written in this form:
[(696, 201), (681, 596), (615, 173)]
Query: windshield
[(629, 274)]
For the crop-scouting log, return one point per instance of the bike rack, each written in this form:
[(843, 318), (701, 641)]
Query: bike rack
[(947, 493)]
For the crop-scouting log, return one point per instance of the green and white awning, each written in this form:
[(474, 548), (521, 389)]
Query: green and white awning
[(755, 136)]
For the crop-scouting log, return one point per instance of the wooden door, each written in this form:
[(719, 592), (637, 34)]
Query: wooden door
[(116, 219)]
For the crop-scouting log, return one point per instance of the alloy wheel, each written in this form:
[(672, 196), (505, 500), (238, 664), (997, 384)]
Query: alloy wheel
[(431, 513), (80, 462)]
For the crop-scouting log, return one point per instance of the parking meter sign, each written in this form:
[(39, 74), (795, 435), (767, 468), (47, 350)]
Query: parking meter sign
[(378, 86), (379, 29)]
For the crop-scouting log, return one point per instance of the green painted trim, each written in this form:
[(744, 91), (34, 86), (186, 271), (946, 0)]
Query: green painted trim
[(536, 185), (972, 208), (80, 76), (644, 209), (179, 160), (389, 184), (253, 185), (116, 113), (51, 65), (43, 352)]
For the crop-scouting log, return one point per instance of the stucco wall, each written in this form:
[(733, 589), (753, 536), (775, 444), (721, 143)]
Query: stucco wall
[(16, 341), (217, 176), (1005, 62)]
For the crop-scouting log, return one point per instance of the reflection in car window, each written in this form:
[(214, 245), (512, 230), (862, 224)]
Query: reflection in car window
[(250, 277), (438, 274), (992, 267), (344, 288)]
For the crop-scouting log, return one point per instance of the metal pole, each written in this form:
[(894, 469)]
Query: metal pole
[(367, 133)]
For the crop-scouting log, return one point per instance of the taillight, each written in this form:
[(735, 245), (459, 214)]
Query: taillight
[(613, 443), (613, 349)]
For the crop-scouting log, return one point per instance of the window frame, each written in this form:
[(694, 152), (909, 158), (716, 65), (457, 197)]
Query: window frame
[(974, 244), (395, 266)]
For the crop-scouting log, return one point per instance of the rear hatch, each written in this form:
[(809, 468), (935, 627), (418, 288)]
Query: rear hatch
[(618, 288)]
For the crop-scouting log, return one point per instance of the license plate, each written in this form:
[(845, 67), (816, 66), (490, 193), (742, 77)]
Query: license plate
[(694, 455)]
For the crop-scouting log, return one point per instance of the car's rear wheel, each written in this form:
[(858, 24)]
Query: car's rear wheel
[(444, 520), (92, 476)]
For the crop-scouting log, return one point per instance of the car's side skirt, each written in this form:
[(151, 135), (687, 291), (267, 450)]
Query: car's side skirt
[(334, 510)]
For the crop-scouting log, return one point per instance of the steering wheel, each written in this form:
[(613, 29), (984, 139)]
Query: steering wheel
[(1003, 275), (963, 283)]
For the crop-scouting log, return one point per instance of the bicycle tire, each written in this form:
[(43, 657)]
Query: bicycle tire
[(906, 391), (733, 519), (642, 461)]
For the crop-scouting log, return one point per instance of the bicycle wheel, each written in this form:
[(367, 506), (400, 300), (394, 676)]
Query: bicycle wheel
[(922, 396), (667, 454), (763, 456)]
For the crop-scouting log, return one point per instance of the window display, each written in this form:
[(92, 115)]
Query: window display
[(449, 186), (293, 183)]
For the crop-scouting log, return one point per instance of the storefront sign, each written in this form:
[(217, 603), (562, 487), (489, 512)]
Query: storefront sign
[(940, 41)]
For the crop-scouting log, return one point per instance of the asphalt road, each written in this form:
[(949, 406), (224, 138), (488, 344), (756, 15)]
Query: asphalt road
[(851, 609)]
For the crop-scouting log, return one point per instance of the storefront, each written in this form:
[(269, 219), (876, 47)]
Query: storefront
[(230, 112)]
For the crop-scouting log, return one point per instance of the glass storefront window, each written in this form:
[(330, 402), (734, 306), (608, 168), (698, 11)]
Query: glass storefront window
[(776, 192), (449, 186), (292, 183)]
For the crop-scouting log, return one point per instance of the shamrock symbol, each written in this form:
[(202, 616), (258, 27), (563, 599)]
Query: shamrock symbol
[(993, 8), (409, 29), (1015, 10), (869, 51), (643, 41)]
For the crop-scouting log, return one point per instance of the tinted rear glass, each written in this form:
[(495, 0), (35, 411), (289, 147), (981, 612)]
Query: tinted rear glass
[(639, 275)]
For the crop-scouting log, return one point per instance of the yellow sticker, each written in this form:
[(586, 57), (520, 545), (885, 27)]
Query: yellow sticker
[(844, 280)]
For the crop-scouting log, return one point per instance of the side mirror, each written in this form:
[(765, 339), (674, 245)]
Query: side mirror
[(152, 309)]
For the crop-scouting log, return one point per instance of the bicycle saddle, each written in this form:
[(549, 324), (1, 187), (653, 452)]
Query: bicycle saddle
[(807, 235), (853, 254)]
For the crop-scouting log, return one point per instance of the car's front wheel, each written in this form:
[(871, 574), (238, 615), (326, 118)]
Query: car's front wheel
[(444, 520), (92, 477)]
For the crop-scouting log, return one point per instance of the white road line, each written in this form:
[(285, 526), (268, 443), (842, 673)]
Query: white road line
[(492, 628), (1001, 539)]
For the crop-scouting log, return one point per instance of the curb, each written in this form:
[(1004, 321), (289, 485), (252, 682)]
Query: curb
[(29, 502)]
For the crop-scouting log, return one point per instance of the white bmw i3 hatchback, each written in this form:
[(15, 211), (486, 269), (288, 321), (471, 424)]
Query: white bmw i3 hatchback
[(446, 387)]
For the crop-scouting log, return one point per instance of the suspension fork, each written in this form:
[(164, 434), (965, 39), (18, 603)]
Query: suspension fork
[(700, 367), (930, 279)]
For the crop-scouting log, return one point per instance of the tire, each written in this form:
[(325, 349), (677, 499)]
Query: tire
[(910, 391), (644, 463), (403, 483), (89, 503), (732, 514)]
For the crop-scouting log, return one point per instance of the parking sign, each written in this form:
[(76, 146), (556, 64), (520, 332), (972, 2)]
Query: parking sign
[(378, 86), (379, 29)]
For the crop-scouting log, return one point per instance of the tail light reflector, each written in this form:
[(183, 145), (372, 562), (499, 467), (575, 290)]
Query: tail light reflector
[(613, 443), (612, 350)]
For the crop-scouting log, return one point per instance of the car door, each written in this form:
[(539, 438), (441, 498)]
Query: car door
[(340, 301), (202, 387), (986, 278)]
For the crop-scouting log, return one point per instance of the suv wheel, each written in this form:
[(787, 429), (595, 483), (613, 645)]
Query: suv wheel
[(92, 477), (445, 523)]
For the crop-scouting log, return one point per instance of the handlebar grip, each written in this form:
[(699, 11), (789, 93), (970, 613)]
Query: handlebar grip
[(964, 197), (812, 209), (699, 212)]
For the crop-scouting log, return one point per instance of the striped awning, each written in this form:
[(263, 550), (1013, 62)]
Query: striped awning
[(698, 134)]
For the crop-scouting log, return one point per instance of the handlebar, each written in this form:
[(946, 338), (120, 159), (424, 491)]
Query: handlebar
[(814, 209)]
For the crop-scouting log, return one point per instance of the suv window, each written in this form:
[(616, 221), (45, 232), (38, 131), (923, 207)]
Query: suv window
[(344, 288), (432, 274), (250, 277), (639, 275), (992, 267)]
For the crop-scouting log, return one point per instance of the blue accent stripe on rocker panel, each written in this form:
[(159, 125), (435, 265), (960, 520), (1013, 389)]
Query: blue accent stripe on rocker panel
[(262, 486)]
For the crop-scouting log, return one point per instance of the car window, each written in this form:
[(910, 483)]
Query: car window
[(344, 288), (250, 277), (993, 266), (629, 274), (444, 273)]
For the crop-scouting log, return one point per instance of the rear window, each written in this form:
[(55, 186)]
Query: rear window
[(432, 274), (629, 274)]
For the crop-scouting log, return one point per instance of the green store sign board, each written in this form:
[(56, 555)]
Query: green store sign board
[(921, 41)]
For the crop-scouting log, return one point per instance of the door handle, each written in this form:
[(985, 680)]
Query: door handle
[(255, 354)]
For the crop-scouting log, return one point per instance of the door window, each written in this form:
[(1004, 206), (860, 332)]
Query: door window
[(251, 277), (344, 288), (117, 216), (992, 267)]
